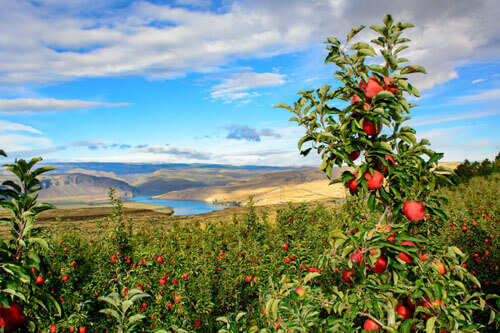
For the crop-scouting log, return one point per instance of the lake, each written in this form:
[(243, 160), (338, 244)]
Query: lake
[(181, 207)]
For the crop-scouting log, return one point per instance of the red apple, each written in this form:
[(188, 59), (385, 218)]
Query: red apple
[(371, 325), (370, 127), (345, 275), (403, 311), (375, 181), (403, 256), (357, 256), (392, 88), (431, 304), (12, 317), (354, 155), (380, 265), (412, 303), (385, 168), (39, 280), (351, 184), (372, 88), (440, 267), (355, 99), (300, 291), (414, 210)]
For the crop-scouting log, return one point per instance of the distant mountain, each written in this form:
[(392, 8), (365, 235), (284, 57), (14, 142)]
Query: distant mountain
[(273, 187), (135, 168), (83, 185), (157, 185)]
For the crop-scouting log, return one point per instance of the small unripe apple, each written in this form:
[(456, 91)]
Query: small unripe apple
[(371, 325), (414, 210), (374, 182)]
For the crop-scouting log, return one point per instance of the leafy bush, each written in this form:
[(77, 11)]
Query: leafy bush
[(22, 265)]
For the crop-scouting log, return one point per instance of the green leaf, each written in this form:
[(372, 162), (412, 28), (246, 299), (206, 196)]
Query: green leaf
[(401, 48), (384, 94), (283, 106), (377, 28), (136, 318), (310, 276), (110, 312), (366, 52), (360, 45), (413, 69), (388, 20), (303, 140), (354, 32), (429, 326), (371, 201)]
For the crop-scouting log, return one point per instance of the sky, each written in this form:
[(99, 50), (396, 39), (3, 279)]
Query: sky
[(195, 81)]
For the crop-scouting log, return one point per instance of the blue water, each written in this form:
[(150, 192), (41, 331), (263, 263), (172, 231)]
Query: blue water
[(180, 207)]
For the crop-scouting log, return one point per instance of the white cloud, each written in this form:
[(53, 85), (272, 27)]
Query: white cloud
[(419, 121), (18, 142), (459, 143), (477, 81), (7, 126), (57, 41), (487, 95), (237, 84), (172, 150), (49, 104)]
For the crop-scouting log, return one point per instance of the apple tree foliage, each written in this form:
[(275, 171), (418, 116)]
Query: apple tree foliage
[(22, 262), (393, 272)]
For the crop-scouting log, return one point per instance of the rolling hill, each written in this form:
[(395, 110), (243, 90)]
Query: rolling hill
[(270, 188), (83, 185)]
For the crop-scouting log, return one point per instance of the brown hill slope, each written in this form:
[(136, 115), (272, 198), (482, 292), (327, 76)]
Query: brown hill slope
[(83, 185), (271, 188)]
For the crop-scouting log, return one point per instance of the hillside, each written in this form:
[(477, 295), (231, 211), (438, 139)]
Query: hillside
[(270, 188), (83, 185)]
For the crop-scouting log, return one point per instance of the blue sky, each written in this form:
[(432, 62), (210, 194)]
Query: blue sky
[(195, 80)]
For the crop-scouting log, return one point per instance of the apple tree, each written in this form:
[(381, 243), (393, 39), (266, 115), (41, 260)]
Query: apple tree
[(392, 273), (23, 266)]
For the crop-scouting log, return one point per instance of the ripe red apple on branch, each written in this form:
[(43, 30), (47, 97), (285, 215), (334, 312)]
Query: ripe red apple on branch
[(12, 318), (371, 127), (371, 325), (414, 210)]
